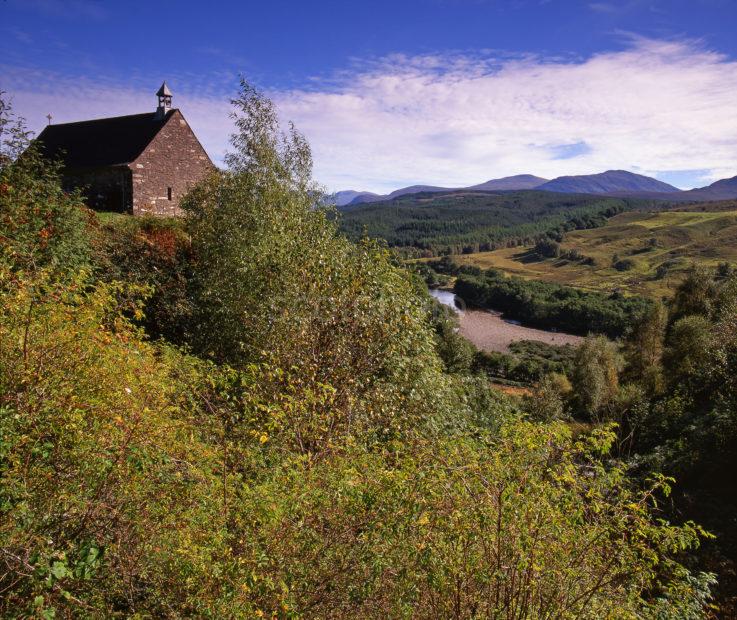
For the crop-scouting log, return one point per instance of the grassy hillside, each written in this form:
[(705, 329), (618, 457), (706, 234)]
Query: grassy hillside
[(463, 222), (669, 240)]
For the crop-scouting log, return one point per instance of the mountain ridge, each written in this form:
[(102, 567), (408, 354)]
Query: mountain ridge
[(516, 182), (346, 196), (724, 189), (607, 182), (511, 183), (619, 183)]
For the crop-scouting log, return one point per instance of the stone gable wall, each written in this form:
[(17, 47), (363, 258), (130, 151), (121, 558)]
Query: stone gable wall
[(167, 168)]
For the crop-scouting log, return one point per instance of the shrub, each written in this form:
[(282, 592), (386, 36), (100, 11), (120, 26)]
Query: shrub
[(105, 472), (41, 226), (154, 253), (623, 264), (547, 248)]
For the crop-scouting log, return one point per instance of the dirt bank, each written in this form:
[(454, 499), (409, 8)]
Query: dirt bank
[(488, 331)]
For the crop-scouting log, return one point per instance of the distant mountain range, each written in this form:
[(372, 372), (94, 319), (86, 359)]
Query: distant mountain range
[(520, 181), (726, 189), (345, 197), (606, 183), (611, 182)]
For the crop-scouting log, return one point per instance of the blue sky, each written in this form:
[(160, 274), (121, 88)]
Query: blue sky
[(412, 91)]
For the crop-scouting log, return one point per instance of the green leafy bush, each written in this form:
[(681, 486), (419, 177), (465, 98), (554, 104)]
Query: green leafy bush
[(41, 226), (154, 253), (623, 264), (275, 283)]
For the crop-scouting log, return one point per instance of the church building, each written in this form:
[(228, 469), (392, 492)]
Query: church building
[(140, 164)]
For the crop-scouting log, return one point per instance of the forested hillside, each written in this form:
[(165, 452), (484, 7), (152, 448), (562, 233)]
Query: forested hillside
[(244, 414), (464, 222)]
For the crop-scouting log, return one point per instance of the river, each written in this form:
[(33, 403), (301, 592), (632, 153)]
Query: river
[(490, 332)]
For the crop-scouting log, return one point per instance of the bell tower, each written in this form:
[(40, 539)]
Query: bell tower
[(164, 95)]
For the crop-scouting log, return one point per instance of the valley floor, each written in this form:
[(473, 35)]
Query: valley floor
[(488, 331), (673, 239)]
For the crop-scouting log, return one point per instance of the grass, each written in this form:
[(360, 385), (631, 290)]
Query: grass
[(142, 222), (111, 217), (676, 239)]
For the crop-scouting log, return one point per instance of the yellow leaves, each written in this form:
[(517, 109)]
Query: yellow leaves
[(423, 520), (261, 436)]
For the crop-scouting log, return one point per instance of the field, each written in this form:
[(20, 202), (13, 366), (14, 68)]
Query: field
[(671, 240)]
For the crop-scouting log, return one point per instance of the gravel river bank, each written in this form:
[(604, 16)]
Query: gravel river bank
[(488, 331)]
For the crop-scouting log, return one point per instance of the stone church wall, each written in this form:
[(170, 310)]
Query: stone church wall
[(167, 168)]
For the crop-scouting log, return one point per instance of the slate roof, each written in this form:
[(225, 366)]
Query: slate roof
[(101, 142)]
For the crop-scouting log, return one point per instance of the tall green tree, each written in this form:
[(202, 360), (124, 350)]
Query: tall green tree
[(276, 284), (690, 344), (596, 377), (695, 294), (644, 348)]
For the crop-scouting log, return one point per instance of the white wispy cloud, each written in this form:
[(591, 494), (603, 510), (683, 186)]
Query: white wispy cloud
[(664, 108), (655, 107)]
